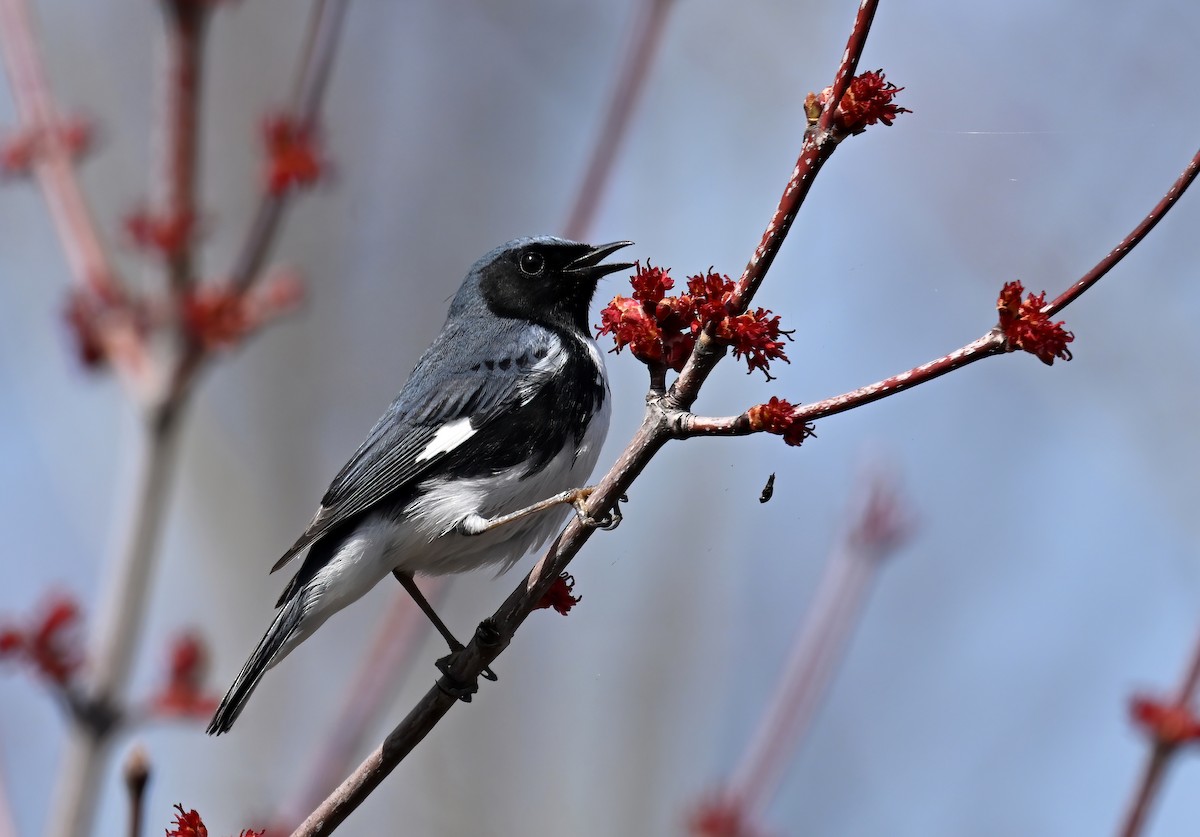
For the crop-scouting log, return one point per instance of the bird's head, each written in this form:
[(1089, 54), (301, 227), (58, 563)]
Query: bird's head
[(544, 280)]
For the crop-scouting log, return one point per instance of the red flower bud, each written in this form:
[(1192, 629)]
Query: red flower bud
[(559, 595), (1166, 722), (1025, 326), (868, 100), (293, 154)]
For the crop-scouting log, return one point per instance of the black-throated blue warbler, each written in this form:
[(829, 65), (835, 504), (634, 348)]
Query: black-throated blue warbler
[(507, 407)]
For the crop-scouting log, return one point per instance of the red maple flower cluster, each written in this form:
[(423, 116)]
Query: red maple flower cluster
[(183, 694), (1167, 722), (19, 150), (868, 100), (219, 316), (662, 330), (720, 816), (189, 824), (559, 595), (162, 234), (1027, 327), (779, 417), (293, 154), (85, 313), (50, 643)]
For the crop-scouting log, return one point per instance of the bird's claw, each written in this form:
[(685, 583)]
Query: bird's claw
[(456, 688), (608, 521)]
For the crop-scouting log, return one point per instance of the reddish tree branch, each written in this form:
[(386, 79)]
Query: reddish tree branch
[(54, 168), (849, 65), (186, 25), (1161, 752), (820, 141), (315, 67), (687, 425), (53, 165), (1130, 241), (645, 38)]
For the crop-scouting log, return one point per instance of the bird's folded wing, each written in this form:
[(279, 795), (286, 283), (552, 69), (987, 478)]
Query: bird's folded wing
[(460, 385)]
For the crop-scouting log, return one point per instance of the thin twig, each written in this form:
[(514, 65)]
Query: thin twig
[(322, 39), (176, 175), (1130, 241), (119, 626), (687, 425), (1160, 756), (1147, 789), (850, 59), (137, 775), (634, 69), (819, 144)]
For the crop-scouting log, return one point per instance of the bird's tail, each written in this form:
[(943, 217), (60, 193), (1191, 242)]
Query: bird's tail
[(268, 652)]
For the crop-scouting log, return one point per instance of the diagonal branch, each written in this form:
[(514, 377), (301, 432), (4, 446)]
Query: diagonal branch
[(494, 634), (54, 169), (1130, 241), (820, 141), (53, 165)]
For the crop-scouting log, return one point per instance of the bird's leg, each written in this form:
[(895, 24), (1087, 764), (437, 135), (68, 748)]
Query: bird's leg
[(410, 586), (477, 524)]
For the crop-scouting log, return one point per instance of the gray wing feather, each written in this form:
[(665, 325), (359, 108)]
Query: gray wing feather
[(462, 374)]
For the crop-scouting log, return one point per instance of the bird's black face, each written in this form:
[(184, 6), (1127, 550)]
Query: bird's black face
[(547, 281)]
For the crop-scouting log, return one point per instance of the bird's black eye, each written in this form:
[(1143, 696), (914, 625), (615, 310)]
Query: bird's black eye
[(532, 262)]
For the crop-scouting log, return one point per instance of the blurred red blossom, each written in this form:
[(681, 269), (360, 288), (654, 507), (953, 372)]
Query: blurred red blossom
[(1026, 326), (19, 149), (50, 642), (17, 152), (92, 311), (183, 693), (559, 595), (189, 824), (221, 316), (1167, 722), (779, 417), (165, 235), (662, 330), (82, 314), (720, 816), (293, 154), (868, 100)]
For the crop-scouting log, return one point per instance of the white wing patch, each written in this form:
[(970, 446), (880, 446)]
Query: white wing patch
[(447, 438)]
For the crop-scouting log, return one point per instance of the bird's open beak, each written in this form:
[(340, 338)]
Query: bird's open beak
[(589, 263)]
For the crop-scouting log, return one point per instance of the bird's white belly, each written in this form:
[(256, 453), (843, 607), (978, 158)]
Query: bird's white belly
[(424, 538)]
